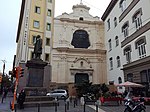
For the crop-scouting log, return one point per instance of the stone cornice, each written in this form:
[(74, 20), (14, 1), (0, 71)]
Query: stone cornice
[(81, 6), (136, 63), (136, 34), (80, 50), (109, 9), (82, 69), (79, 21), (128, 9)]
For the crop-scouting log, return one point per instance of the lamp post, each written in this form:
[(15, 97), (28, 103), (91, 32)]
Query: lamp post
[(3, 75)]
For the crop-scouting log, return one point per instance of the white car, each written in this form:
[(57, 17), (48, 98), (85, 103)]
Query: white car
[(58, 93)]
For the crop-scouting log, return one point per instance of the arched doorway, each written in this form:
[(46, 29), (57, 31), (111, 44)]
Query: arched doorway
[(80, 77)]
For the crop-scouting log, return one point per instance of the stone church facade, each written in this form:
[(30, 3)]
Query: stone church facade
[(78, 51)]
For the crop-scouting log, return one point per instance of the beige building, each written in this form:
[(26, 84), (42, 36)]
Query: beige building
[(78, 51), (36, 18)]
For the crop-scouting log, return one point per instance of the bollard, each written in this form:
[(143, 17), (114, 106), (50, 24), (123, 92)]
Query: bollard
[(84, 107), (56, 107), (71, 99), (65, 107), (15, 108), (38, 107), (96, 108), (74, 104), (97, 104)]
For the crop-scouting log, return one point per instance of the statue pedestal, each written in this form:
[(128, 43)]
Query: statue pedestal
[(36, 72)]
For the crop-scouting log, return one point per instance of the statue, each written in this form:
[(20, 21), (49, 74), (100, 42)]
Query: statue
[(38, 47)]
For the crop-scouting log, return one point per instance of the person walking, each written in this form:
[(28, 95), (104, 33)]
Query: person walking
[(21, 99), (4, 95)]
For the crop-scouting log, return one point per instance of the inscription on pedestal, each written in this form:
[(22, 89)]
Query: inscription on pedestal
[(35, 77), (36, 72)]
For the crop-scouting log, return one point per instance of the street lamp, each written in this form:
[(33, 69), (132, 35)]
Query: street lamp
[(3, 75)]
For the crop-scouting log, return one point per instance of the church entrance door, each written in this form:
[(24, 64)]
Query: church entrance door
[(80, 77)]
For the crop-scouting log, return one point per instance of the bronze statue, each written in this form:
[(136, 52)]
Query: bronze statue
[(38, 47)]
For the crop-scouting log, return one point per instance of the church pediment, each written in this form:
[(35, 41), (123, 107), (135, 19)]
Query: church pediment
[(80, 12)]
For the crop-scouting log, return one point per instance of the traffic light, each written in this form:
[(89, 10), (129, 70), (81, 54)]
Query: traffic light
[(14, 72), (21, 72)]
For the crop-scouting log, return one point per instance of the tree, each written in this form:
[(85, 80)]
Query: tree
[(83, 88), (104, 88), (6, 81)]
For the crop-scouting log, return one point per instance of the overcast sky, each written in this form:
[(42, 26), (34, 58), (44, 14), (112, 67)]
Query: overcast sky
[(9, 17)]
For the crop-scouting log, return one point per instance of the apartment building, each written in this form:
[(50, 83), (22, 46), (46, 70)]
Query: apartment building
[(36, 18), (127, 39)]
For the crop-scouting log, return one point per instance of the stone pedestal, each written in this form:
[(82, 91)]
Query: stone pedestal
[(35, 72)]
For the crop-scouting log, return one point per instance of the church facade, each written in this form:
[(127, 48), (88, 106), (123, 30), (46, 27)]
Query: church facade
[(78, 51)]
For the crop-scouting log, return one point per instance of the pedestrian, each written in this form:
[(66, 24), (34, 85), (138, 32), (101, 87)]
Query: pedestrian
[(82, 100), (4, 95), (21, 99)]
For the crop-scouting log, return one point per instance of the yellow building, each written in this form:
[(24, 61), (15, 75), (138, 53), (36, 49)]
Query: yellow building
[(36, 18)]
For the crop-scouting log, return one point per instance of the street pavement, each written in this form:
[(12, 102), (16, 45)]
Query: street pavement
[(5, 107)]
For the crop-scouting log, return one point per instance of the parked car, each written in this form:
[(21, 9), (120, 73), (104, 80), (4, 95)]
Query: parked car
[(58, 93)]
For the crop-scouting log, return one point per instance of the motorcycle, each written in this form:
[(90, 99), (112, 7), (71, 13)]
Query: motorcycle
[(135, 106)]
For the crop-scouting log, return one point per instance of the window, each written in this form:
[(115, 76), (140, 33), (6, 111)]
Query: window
[(109, 45), (36, 24), (81, 18), (80, 39), (117, 41), (50, 1), (34, 39), (119, 81), (49, 12), (122, 5), (46, 57), (48, 27), (47, 41), (32, 55), (118, 61), (115, 21), (37, 9), (137, 18), (125, 29), (127, 52), (111, 63), (130, 77), (144, 76), (108, 24), (140, 46)]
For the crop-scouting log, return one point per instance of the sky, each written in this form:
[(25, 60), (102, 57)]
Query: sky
[(9, 18)]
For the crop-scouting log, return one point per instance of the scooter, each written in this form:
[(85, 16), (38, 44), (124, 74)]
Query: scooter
[(135, 106)]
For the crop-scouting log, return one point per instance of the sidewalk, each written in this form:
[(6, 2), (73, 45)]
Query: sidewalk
[(5, 107)]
